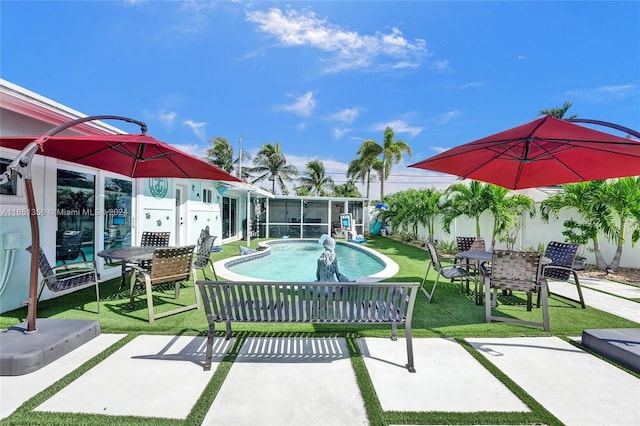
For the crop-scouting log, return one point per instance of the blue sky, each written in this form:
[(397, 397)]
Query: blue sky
[(319, 77)]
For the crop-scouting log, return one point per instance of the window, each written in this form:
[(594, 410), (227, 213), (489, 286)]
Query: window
[(117, 211), (75, 207), (207, 196), (11, 187), (229, 217)]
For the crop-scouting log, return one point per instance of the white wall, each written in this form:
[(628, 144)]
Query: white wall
[(535, 232)]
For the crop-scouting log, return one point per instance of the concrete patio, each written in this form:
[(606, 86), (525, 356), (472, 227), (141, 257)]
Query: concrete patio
[(300, 380)]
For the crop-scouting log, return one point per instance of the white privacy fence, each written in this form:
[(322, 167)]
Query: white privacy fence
[(534, 232)]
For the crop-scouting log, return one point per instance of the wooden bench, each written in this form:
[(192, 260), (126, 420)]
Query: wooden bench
[(323, 303)]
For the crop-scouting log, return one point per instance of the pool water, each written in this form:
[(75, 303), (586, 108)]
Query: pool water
[(296, 261)]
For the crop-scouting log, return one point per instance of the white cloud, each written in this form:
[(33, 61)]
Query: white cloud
[(193, 149), (347, 115), (346, 49), (522, 57), (445, 117), (197, 128), (339, 133), (399, 126), (439, 149), (167, 117), (442, 65), (604, 93), (331, 166), (303, 105), (472, 85)]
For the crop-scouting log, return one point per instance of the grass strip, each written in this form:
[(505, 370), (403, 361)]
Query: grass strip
[(203, 404), (368, 392)]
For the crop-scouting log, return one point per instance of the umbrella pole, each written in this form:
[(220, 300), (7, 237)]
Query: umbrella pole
[(606, 124), (35, 257)]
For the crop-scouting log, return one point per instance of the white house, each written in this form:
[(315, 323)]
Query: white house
[(109, 209)]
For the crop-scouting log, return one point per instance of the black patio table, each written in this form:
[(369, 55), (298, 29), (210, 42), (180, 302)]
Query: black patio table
[(135, 254)]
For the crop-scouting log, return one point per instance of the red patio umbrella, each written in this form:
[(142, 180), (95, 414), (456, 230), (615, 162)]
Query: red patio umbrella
[(133, 155), (543, 152)]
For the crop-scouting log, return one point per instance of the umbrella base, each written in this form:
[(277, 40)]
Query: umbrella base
[(23, 353), (618, 344)]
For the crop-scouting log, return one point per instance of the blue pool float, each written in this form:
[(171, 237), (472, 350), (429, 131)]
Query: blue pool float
[(357, 241)]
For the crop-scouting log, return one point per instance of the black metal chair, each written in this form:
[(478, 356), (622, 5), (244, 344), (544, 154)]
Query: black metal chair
[(562, 256), (68, 276), (468, 244), (155, 239), (152, 239), (203, 253), (515, 271), (449, 272), (69, 246)]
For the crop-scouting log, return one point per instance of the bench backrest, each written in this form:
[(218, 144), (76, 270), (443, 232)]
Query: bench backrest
[(308, 302)]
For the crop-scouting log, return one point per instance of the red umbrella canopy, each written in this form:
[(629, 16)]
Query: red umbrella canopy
[(547, 151), (133, 155)]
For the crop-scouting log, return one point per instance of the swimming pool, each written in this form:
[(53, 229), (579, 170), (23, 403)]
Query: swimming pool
[(294, 260)]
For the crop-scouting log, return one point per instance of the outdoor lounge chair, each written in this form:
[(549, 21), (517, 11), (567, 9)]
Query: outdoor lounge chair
[(515, 271), (68, 276), (69, 246), (170, 265), (562, 256), (203, 253), (448, 272)]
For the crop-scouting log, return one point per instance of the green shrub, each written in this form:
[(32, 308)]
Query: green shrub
[(447, 247)]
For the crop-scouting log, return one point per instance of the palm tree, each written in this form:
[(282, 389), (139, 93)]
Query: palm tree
[(348, 189), (507, 210), (316, 180), (559, 112), (623, 197), (465, 200), (391, 150), (221, 155), (410, 208), (392, 153), (474, 199), (360, 168), (270, 163), (585, 198)]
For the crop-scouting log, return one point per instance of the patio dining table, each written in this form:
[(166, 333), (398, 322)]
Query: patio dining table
[(134, 254)]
